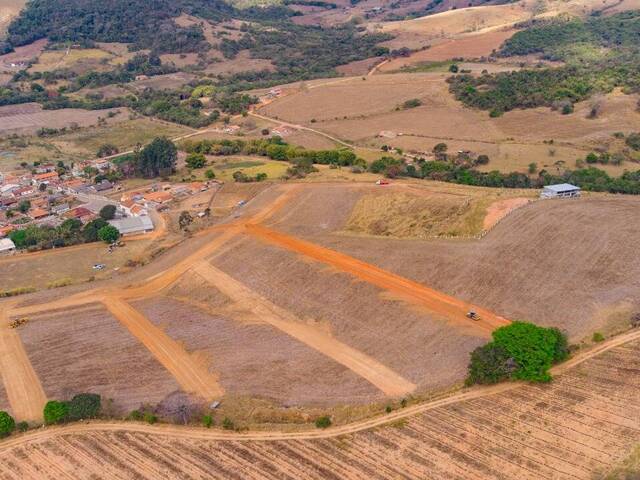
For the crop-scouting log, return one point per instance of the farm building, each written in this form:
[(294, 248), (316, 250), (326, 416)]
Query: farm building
[(133, 225), (562, 190), (6, 246)]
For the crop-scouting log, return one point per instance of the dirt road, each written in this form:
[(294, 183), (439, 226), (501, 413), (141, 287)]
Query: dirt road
[(189, 369), (23, 387), (182, 432), (450, 308), (382, 377)]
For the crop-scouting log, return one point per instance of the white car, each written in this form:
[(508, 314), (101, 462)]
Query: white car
[(99, 266)]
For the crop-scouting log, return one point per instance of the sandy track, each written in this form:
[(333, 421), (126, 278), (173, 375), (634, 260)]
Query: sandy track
[(189, 370), (370, 369), (450, 308), (23, 387)]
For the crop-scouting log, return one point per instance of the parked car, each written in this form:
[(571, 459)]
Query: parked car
[(99, 266)]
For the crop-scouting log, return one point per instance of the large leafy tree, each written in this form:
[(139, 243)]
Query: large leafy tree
[(157, 158)]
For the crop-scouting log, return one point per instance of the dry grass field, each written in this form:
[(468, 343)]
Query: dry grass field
[(77, 60), (29, 117), (359, 110), (549, 248), (9, 9), (241, 63), (124, 135), (579, 427)]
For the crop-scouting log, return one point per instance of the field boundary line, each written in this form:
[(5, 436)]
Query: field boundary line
[(382, 377), (176, 431), (407, 290), (192, 374)]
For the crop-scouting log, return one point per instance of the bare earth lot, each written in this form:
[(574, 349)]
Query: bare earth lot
[(579, 427), (89, 351)]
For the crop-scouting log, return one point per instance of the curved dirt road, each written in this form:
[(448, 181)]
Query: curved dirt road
[(178, 432)]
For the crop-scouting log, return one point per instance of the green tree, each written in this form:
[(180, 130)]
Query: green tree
[(108, 212), (90, 230), (157, 158), (24, 206), (489, 363), (323, 422), (108, 234), (210, 174), (7, 424), (196, 160), (533, 167), (84, 405), (55, 412)]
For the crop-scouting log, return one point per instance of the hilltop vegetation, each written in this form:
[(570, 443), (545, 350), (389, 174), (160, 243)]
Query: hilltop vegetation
[(600, 54)]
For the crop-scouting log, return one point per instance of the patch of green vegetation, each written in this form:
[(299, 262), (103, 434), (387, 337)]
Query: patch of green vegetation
[(520, 351), (237, 165), (600, 53), (427, 67)]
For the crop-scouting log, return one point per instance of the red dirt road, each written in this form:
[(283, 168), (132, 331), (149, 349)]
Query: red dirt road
[(450, 308)]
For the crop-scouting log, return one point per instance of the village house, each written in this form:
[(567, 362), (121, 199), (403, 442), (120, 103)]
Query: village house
[(46, 168), (60, 209), (81, 213), (37, 213), (4, 231), (156, 199), (45, 178)]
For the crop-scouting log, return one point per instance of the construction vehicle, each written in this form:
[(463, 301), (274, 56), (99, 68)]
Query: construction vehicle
[(473, 315)]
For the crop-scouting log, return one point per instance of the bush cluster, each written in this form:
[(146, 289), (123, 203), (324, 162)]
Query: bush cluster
[(80, 407), (520, 351)]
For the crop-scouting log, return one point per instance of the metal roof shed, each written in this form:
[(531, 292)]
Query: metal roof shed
[(561, 190), (132, 225)]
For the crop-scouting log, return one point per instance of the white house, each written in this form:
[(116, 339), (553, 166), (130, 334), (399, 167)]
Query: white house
[(562, 190)]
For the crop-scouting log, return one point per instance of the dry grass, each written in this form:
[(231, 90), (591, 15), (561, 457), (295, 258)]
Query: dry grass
[(224, 168), (124, 135), (78, 60)]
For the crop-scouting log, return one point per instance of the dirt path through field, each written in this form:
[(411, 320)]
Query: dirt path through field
[(190, 370), (178, 432), (450, 308), (500, 209), (24, 390), (385, 379)]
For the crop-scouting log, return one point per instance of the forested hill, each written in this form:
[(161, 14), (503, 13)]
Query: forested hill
[(143, 23)]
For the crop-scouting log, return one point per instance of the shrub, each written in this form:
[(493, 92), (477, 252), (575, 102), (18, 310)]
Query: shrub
[(207, 421), (136, 415), (522, 351), (413, 103), (323, 422), (210, 174), (597, 337), (7, 424), (388, 409), (22, 426), (633, 141), (150, 418), (55, 412), (196, 160), (84, 405), (228, 424)]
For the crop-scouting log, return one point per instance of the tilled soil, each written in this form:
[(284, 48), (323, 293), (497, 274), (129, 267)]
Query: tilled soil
[(92, 352), (257, 359), (578, 427)]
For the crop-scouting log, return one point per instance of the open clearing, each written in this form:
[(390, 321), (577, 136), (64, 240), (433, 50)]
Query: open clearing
[(29, 117), (578, 427), (359, 110), (370, 317)]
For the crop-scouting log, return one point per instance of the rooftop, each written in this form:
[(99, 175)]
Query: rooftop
[(561, 187), (132, 224)]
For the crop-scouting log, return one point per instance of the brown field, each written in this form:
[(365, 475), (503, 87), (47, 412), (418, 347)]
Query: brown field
[(358, 110), (170, 81), (91, 352), (241, 63), (579, 427), (283, 305), (469, 46), (29, 117), (79, 61)]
